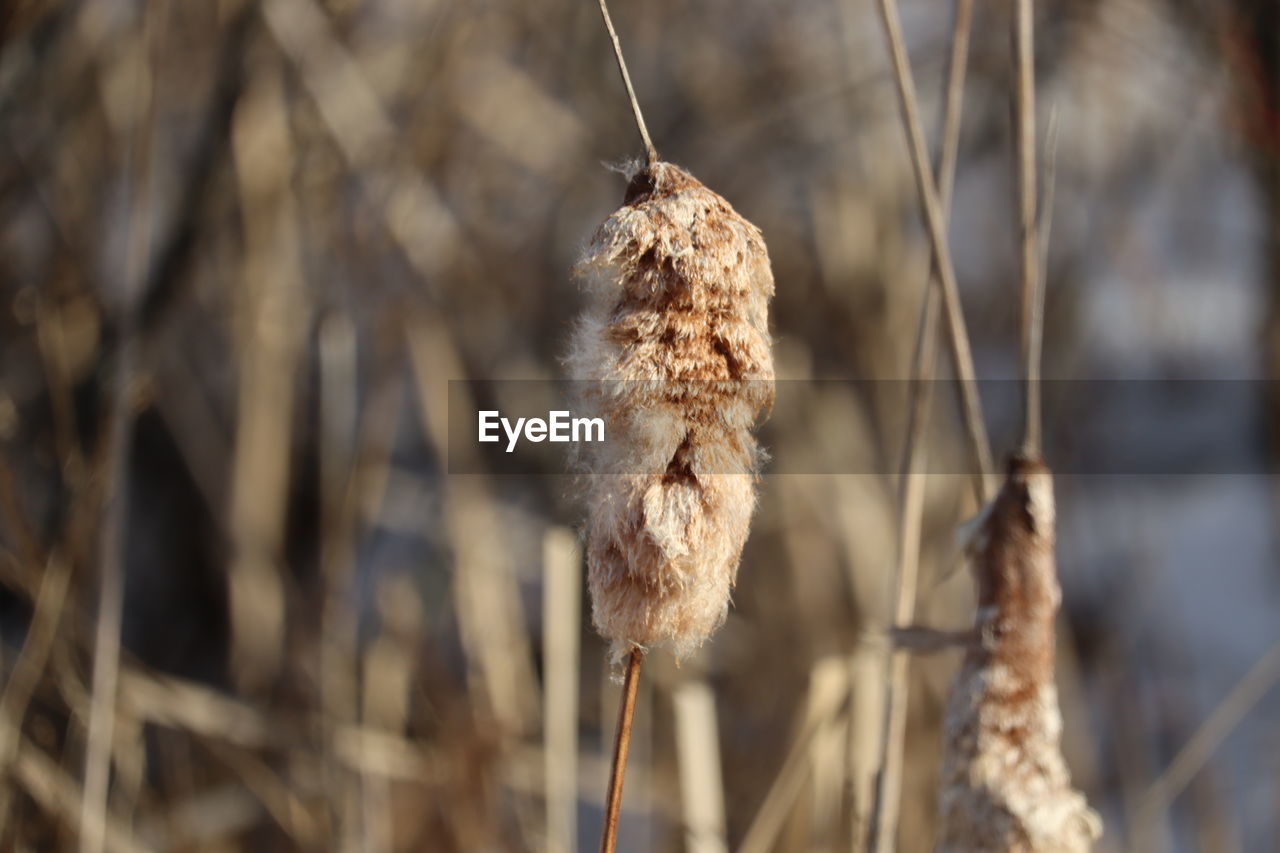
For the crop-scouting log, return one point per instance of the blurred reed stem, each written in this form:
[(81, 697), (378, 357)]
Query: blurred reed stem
[(94, 805), (935, 221), (698, 757), (1032, 324), (561, 623), (911, 478), (1199, 748), (828, 693)]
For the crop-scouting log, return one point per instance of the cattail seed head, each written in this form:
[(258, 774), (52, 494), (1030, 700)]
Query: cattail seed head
[(675, 347), (1005, 787)]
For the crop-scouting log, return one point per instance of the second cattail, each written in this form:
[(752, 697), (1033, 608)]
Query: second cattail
[(675, 350), (1005, 787)]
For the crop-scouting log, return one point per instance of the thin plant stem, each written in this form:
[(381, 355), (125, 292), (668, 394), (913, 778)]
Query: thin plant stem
[(829, 691), (698, 763), (1050, 181), (30, 666), (961, 352), (1032, 282), (1034, 439), (1197, 751), (562, 605), (94, 813), (110, 614), (883, 829), (651, 153), (621, 745)]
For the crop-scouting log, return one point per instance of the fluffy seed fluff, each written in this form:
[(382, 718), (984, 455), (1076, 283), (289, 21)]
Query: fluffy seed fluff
[(1005, 787), (674, 353)]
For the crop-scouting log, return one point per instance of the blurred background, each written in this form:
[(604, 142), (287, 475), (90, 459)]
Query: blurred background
[(245, 246)]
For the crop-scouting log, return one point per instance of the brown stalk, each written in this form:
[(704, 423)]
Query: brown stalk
[(30, 665), (961, 352), (1032, 282), (651, 153), (621, 745), (109, 613), (95, 809), (883, 830)]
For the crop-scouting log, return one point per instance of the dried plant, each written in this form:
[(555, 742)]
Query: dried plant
[(1004, 785), (675, 349), (882, 828), (408, 178), (676, 345)]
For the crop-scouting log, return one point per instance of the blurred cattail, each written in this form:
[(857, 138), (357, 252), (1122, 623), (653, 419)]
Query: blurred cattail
[(1004, 785), (675, 349)]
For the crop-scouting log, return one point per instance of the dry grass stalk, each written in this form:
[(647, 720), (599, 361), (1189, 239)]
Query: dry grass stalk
[(58, 794), (1196, 752), (1004, 784), (911, 483), (561, 614), (28, 669), (1032, 324), (650, 152), (676, 340), (621, 746), (94, 806), (927, 187), (270, 337), (828, 696), (698, 756)]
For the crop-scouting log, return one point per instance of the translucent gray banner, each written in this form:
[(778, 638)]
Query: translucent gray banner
[(1103, 427)]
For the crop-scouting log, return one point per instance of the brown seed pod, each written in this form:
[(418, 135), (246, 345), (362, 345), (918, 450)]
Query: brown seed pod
[(1004, 785), (675, 345)]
